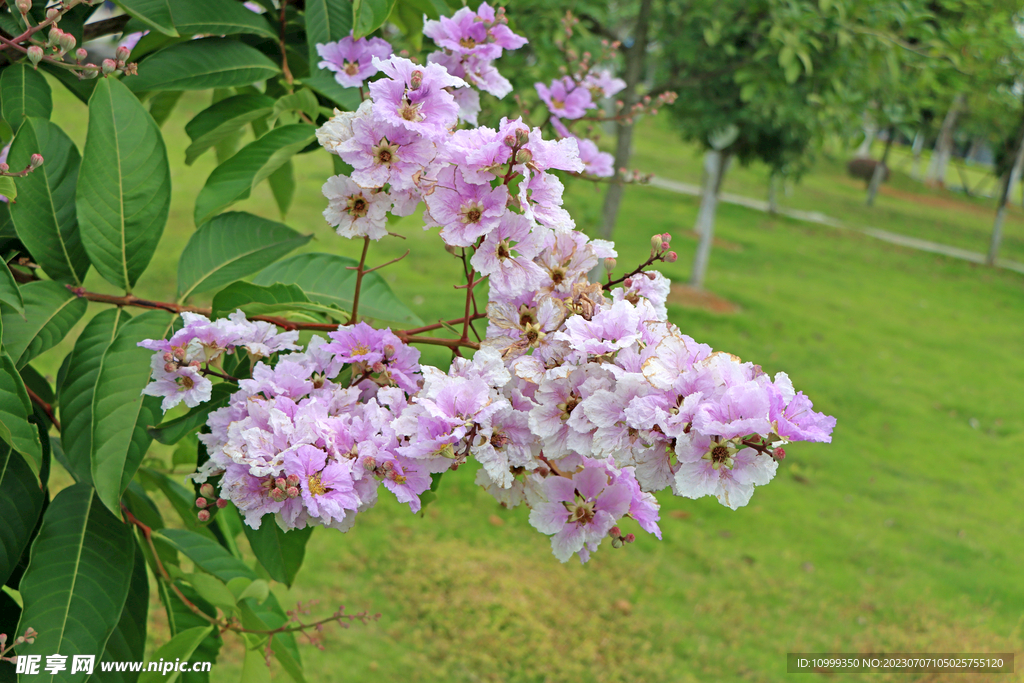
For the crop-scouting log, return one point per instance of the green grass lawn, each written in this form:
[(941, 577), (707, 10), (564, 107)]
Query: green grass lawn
[(903, 535)]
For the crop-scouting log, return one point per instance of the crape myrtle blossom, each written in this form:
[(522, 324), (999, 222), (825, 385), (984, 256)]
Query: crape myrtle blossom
[(580, 402), (351, 60)]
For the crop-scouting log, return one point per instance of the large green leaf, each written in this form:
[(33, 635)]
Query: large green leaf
[(235, 179), (24, 92), (173, 431), (124, 189), (127, 643), (180, 646), (203, 64), (50, 313), (323, 82), (77, 578), (325, 278), (231, 246), (223, 119), (10, 293), (280, 552), (282, 184), (218, 17), (79, 388), (154, 13), (8, 188), (20, 506), (369, 15), (120, 413), (15, 409), (326, 21), (44, 215), (275, 299)]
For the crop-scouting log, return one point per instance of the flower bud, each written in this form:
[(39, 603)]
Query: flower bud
[(206, 490), (615, 531), (628, 282), (170, 367), (122, 53), (389, 350), (629, 538), (168, 357), (609, 264), (52, 13), (664, 246), (277, 495), (292, 480), (616, 542), (665, 237), (204, 515), (293, 492), (522, 136), (35, 54), (91, 72), (416, 80), (510, 141), (67, 42), (179, 353), (779, 453), (370, 464), (81, 54), (388, 465), (54, 36), (671, 257), (108, 67), (4, 168), (656, 243), (195, 364), (201, 502), (378, 367), (24, 6), (221, 503), (524, 156), (35, 161), (280, 483)]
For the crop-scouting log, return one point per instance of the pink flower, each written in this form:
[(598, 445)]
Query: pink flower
[(352, 60), (465, 211), (414, 97), (506, 255), (381, 153), (565, 98), (353, 211), (595, 162), (473, 33), (602, 84), (327, 486)]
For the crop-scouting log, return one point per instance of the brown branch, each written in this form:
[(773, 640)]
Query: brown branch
[(284, 53), (359, 282), (394, 260), (47, 408), (660, 256)]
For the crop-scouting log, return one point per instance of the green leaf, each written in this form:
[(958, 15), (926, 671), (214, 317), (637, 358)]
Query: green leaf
[(213, 590), (369, 15), (323, 82), (79, 388), (254, 667), (50, 313), (128, 641), (273, 300), (280, 552), (325, 279), (77, 579), (203, 64), (235, 179), (326, 22), (24, 92), (301, 100), (15, 409), (434, 9), (120, 411), (175, 430), (410, 17), (8, 188), (180, 646), (162, 105), (258, 590), (20, 506), (44, 215), (124, 192), (183, 500), (231, 246), (181, 618), (282, 184), (222, 120), (10, 293), (218, 17), (154, 13)]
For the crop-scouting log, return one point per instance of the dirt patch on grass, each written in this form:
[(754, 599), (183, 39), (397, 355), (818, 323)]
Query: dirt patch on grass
[(689, 297)]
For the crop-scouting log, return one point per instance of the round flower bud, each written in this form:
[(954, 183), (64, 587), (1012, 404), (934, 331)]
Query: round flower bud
[(53, 37), (35, 54), (52, 13), (656, 243), (609, 264), (122, 53), (67, 42), (170, 367), (4, 168), (206, 490), (277, 495), (221, 503), (201, 502), (629, 538), (35, 161), (779, 453), (24, 6), (370, 464), (522, 136), (108, 67), (292, 480), (293, 492), (628, 282), (81, 54), (524, 156), (168, 357), (280, 483), (671, 257), (616, 542), (666, 237), (204, 515), (614, 531), (416, 80), (510, 141), (664, 246), (91, 72)]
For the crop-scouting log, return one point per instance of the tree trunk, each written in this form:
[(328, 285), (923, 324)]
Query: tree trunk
[(635, 57), (915, 170), (1011, 180), (876, 177), (715, 165), (944, 145), (773, 192), (870, 129)]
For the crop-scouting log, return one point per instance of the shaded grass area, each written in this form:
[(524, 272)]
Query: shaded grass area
[(902, 535)]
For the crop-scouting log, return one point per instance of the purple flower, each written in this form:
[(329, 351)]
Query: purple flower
[(595, 162), (506, 255), (338, 129), (352, 60), (357, 343), (504, 443), (354, 211), (722, 471), (608, 331), (381, 153), (741, 410), (477, 71), (251, 495), (260, 338), (565, 98), (414, 97), (473, 33), (602, 84), (557, 418), (580, 511), (326, 485), (469, 104), (466, 211), (185, 383), (792, 414)]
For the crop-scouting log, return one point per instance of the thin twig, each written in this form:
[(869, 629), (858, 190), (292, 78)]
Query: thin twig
[(47, 408)]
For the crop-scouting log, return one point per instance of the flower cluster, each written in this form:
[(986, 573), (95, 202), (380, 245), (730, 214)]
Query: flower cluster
[(582, 399)]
